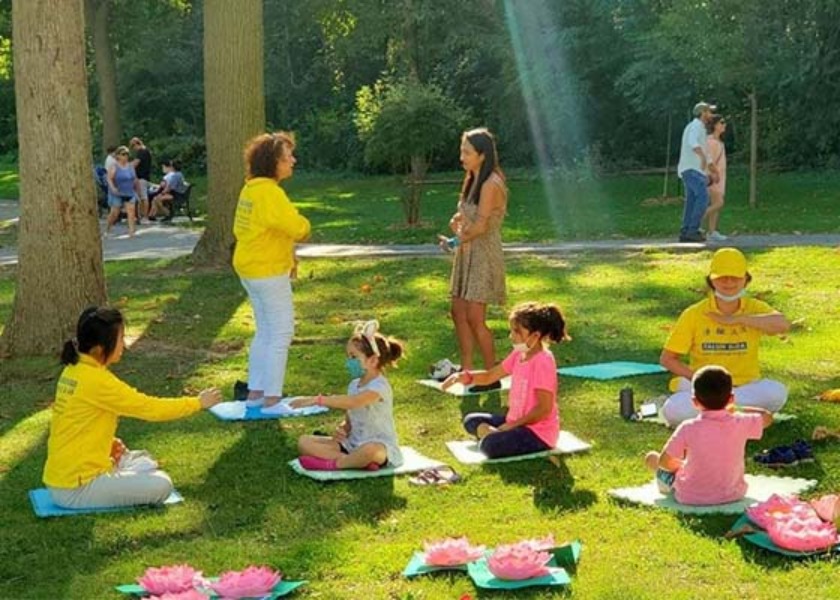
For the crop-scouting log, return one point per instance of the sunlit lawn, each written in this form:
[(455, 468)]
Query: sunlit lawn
[(351, 540), (357, 209)]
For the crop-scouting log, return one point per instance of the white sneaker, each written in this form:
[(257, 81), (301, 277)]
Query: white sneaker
[(443, 369), (716, 236)]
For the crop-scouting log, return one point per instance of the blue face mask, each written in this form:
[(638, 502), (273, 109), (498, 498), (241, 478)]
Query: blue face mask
[(354, 367)]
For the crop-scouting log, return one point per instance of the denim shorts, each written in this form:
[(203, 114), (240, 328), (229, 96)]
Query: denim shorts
[(118, 201)]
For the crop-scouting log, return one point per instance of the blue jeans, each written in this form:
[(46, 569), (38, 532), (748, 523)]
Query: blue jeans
[(514, 442), (696, 201)]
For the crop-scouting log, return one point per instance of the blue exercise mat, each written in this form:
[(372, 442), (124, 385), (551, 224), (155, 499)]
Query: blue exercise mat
[(43, 505), (237, 411), (612, 370)]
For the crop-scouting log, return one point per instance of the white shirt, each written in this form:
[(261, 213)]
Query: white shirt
[(694, 136), (110, 161)]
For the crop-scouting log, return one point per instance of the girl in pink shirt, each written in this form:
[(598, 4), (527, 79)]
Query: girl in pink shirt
[(532, 423), (703, 462)]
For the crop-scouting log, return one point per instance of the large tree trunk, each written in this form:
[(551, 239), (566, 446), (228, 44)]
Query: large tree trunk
[(234, 106), (60, 255), (97, 12), (753, 147)]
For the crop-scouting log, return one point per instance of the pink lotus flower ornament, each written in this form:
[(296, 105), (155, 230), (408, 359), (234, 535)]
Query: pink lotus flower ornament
[(253, 582), (802, 534), (451, 552), (546, 543), (170, 579), (775, 507), (827, 507), (189, 595), (518, 561)]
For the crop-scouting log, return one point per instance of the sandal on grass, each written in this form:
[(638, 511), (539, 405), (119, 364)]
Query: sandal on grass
[(436, 476)]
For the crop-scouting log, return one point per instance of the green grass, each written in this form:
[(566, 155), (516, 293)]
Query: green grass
[(369, 210), (8, 181), (352, 539)]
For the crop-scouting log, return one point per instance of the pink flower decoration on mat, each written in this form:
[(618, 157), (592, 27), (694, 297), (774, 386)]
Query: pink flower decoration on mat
[(802, 534), (518, 561), (253, 582), (170, 579), (546, 543), (775, 507), (827, 507), (451, 552), (189, 595)]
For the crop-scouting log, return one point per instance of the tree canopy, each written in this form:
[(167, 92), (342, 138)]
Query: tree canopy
[(557, 81)]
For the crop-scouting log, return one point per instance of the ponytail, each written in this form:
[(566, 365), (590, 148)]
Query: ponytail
[(545, 319), (70, 352), (97, 326)]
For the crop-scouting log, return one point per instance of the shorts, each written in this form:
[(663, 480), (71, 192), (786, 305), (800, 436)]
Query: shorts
[(118, 201)]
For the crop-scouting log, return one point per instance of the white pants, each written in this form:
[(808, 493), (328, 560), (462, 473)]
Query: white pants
[(274, 319), (762, 393), (120, 487)]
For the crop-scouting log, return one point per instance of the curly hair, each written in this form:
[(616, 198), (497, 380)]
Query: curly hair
[(263, 152)]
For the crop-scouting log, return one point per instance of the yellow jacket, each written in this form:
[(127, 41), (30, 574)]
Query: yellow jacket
[(266, 227), (89, 400)]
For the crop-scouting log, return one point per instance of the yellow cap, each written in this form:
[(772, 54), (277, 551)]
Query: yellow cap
[(728, 262)]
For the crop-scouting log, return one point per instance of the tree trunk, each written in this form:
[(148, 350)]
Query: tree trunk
[(419, 167), (667, 159), (60, 255), (753, 147), (234, 105), (97, 12)]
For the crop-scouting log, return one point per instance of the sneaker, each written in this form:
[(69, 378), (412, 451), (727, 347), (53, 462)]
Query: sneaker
[(717, 236), (443, 369), (477, 389), (804, 452), (777, 458), (240, 390), (692, 237)]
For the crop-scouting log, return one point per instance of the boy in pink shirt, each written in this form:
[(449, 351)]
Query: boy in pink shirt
[(532, 423), (703, 462)]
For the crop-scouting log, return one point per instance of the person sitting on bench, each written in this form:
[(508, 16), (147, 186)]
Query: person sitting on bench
[(163, 197)]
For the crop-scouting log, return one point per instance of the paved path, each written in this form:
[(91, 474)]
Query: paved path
[(167, 241)]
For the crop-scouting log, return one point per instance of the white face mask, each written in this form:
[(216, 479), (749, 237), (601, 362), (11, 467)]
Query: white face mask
[(522, 348), (731, 298)]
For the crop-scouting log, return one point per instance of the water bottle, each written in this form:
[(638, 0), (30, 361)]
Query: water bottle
[(625, 403)]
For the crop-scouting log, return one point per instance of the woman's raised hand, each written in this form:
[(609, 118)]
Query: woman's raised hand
[(210, 397)]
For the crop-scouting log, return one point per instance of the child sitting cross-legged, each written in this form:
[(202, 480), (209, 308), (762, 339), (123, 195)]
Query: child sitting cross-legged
[(532, 423), (367, 437), (703, 462)]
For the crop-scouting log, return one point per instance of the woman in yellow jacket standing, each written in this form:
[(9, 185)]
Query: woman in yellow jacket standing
[(87, 467), (266, 227)]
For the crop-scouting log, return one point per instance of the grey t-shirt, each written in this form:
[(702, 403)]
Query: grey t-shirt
[(374, 422)]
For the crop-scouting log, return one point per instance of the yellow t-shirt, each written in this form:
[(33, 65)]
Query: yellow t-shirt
[(89, 400), (706, 342), (266, 227)]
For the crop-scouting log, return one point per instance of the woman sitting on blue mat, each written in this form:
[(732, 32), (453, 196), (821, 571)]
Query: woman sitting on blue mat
[(532, 423), (367, 438), (703, 462), (87, 467), (724, 329)]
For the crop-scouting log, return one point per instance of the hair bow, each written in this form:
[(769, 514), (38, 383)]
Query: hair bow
[(368, 330)]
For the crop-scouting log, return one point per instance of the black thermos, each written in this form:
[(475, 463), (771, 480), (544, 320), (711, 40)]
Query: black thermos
[(625, 403)]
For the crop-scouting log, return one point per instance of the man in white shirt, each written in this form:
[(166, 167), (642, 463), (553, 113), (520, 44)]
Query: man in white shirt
[(694, 162)]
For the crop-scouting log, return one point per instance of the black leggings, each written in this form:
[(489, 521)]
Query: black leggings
[(514, 442)]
